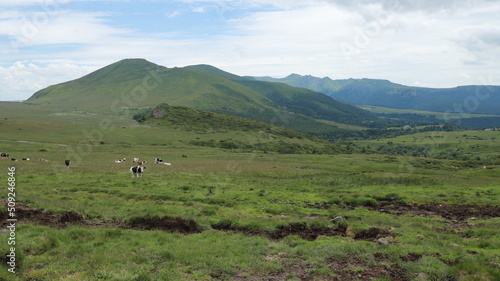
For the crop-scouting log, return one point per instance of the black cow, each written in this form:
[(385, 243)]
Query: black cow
[(137, 170), (66, 162), (4, 155)]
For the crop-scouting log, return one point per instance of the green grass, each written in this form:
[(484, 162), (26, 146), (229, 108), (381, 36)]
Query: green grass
[(439, 115), (256, 191)]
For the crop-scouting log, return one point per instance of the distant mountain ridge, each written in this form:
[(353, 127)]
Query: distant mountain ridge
[(134, 84), (483, 99)]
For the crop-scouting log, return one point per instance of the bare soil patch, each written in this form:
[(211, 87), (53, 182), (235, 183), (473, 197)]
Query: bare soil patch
[(165, 223), (448, 211), (24, 213), (351, 268), (301, 229), (344, 269)]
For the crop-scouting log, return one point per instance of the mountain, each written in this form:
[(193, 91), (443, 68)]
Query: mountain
[(133, 84), (302, 101), (463, 99)]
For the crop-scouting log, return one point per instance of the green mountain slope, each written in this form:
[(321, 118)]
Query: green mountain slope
[(139, 83), (225, 131), (133, 84), (464, 99), (303, 101)]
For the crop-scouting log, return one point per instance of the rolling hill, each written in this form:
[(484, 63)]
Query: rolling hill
[(463, 99), (133, 84), (230, 132)]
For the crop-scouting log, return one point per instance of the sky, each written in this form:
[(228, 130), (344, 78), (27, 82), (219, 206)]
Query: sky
[(427, 43)]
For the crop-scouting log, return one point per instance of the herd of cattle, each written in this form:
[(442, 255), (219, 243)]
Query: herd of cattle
[(7, 156), (135, 170)]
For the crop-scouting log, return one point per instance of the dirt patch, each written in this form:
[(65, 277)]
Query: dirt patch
[(448, 211), (307, 233), (165, 223), (372, 233), (71, 217), (24, 213), (301, 229), (343, 269), (351, 268), (411, 257)]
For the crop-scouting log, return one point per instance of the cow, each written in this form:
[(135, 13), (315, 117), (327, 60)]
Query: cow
[(66, 162), (136, 160), (26, 159), (118, 161), (141, 162), (158, 161), (13, 159), (137, 171), (484, 167), (4, 155), (44, 160)]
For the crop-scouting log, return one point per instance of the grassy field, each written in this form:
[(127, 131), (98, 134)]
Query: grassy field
[(479, 146), (229, 214), (439, 115)]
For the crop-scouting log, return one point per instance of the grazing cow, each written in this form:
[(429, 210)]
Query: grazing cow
[(137, 171), (13, 159), (158, 161), (66, 162), (26, 159), (484, 167), (136, 160), (4, 155), (141, 162), (44, 160), (185, 156)]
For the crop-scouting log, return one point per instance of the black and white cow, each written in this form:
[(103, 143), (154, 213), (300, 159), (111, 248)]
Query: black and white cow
[(160, 161), (26, 159), (120, 161), (137, 171), (4, 155)]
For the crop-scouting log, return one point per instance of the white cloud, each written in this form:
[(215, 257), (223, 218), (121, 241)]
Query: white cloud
[(22, 79), (174, 14)]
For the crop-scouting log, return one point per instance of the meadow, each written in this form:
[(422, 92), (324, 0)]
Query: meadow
[(233, 214)]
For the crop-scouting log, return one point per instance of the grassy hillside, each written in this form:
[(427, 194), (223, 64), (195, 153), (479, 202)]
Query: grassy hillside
[(233, 133), (302, 101), (232, 214)]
